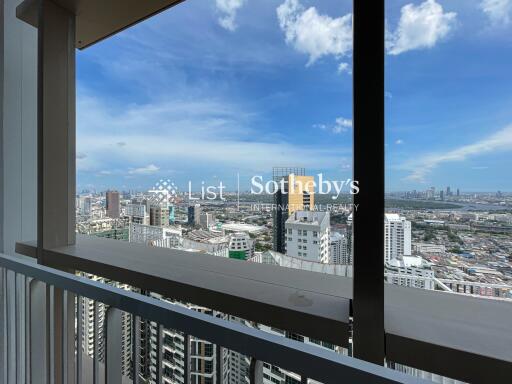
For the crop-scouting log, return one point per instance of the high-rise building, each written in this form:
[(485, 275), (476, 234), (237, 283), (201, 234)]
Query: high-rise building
[(340, 250), (190, 215), (206, 220), (172, 214), (448, 191), (295, 192), (458, 192), (137, 213), (171, 355), (159, 215), (194, 215), (84, 205), (441, 195), (112, 204), (93, 320), (241, 246), (397, 237), (165, 237), (307, 235)]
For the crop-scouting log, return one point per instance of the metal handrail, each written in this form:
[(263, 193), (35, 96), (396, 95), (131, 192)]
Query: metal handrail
[(306, 360)]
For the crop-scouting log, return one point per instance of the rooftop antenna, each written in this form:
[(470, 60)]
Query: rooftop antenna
[(238, 191)]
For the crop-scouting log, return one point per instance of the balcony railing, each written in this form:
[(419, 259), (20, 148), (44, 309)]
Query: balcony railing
[(458, 336), (29, 350)]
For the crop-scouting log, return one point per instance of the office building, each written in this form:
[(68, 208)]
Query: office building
[(213, 243), (340, 250), (295, 192), (137, 214), (84, 205), (112, 204), (397, 237), (410, 271), (165, 237), (241, 246), (307, 235), (159, 215), (206, 220), (194, 215)]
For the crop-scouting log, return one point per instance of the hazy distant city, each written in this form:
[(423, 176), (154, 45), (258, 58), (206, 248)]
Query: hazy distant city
[(439, 238)]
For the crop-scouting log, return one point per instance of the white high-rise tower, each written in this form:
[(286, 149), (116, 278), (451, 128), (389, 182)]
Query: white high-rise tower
[(397, 237)]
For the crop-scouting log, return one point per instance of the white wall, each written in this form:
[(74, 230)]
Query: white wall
[(18, 130)]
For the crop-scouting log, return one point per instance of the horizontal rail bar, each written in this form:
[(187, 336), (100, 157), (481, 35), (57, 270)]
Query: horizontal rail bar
[(316, 305), (303, 359)]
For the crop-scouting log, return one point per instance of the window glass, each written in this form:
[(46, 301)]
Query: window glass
[(449, 147), (221, 128)]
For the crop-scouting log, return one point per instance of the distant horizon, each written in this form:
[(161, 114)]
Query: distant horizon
[(247, 191)]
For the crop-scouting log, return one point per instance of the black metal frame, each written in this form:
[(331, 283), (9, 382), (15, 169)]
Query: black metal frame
[(368, 216)]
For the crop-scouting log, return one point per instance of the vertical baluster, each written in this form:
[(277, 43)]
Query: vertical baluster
[(96, 330), (62, 331), (20, 327), (3, 323), (39, 332), (28, 281), (136, 349), (67, 312), (11, 327), (186, 359), (219, 351), (159, 352), (114, 345), (79, 338), (256, 371), (52, 334)]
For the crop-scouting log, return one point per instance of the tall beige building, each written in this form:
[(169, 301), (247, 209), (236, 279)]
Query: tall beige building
[(301, 193)]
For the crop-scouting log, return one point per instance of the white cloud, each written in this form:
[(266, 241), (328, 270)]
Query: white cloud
[(499, 141), (314, 34), (340, 125), (399, 142), (147, 170), (420, 26), (498, 11), (229, 8), (344, 68), (194, 135)]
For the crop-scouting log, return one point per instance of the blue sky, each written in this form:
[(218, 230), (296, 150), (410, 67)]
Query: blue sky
[(212, 88)]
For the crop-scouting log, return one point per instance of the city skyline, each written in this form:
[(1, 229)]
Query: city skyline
[(233, 95)]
